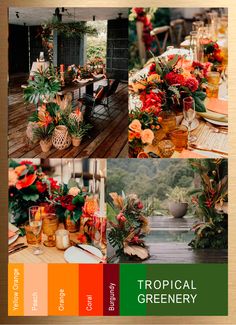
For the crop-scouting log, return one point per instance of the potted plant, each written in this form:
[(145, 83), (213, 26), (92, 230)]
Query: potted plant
[(178, 202), (43, 134), (43, 88), (77, 131)]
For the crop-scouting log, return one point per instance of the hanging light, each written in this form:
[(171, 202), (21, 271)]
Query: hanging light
[(17, 14), (94, 18)]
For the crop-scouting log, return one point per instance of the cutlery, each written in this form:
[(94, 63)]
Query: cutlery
[(218, 129), (12, 251), (15, 246), (194, 146), (88, 252)]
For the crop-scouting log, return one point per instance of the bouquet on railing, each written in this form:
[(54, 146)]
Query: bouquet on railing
[(128, 230)]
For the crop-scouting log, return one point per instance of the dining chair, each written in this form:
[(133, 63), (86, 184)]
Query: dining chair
[(112, 89), (178, 31), (163, 31), (91, 102)]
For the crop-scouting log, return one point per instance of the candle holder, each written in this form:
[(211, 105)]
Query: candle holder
[(99, 236), (62, 239)]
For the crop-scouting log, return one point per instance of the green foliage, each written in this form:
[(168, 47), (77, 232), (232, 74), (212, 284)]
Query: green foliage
[(212, 232), (78, 130), (43, 88), (43, 132), (178, 194)]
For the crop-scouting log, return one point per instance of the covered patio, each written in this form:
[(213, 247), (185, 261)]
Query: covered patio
[(106, 116)]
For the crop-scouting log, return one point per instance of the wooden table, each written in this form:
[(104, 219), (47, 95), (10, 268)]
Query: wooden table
[(50, 255)]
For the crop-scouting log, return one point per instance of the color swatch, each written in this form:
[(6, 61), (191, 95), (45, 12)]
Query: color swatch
[(117, 289)]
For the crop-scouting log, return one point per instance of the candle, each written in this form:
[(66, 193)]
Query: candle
[(62, 239), (102, 195), (62, 68)]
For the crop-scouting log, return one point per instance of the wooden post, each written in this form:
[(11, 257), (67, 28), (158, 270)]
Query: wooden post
[(141, 45)]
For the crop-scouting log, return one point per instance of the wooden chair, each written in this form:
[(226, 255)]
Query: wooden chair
[(165, 32), (178, 31), (91, 102)]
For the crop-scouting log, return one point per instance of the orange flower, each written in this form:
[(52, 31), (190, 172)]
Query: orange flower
[(154, 78), (147, 136), (139, 85), (135, 126), (132, 135), (44, 118), (26, 181), (90, 207), (19, 169), (12, 177)]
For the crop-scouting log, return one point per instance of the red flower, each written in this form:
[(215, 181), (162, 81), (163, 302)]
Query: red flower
[(82, 238), (53, 184), (197, 64), (66, 202), (151, 102), (26, 162), (152, 69), (191, 83), (26, 181), (140, 205), (208, 203), (173, 78), (41, 187)]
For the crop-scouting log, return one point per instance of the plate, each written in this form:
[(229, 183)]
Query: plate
[(98, 76), (75, 255), (216, 122), (12, 239), (194, 124)]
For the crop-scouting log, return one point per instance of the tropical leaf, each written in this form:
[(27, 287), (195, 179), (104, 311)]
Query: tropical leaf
[(136, 250)]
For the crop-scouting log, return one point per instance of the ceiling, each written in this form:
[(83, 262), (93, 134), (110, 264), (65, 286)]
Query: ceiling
[(37, 16)]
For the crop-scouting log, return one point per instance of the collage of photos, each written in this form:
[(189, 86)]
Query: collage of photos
[(91, 92)]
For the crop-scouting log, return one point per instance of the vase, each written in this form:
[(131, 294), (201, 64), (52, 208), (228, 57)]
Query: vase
[(45, 145), (71, 225), (76, 141), (178, 209), (168, 122)]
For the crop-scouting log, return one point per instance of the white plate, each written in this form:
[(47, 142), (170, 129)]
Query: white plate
[(194, 124), (12, 239), (97, 76), (75, 255), (216, 122)]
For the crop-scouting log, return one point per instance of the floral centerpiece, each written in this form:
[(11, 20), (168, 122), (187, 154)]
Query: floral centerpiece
[(164, 85), (28, 186), (68, 202), (213, 54), (128, 230), (211, 201)]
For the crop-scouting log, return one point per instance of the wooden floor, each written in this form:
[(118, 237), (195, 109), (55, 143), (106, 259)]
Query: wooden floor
[(174, 252), (108, 137)]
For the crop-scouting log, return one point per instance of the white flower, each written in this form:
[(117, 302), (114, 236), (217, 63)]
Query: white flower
[(74, 191)]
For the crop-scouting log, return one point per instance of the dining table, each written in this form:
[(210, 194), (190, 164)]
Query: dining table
[(49, 255), (212, 136)]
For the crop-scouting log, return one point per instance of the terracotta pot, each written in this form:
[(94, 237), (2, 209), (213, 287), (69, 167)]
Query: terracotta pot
[(70, 225), (45, 145), (76, 141), (178, 209)]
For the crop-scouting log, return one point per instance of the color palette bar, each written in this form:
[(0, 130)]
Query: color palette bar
[(117, 290)]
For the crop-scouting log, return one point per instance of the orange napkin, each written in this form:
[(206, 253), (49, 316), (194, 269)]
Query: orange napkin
[(190, 154), (217, 105), (11, 233)]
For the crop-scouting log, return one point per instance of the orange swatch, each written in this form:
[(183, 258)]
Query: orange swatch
[(91, 289), (63, 290), (16, 290)]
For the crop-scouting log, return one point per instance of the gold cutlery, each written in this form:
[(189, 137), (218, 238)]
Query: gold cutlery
[(14, 250), (88, 252), (194, 146)]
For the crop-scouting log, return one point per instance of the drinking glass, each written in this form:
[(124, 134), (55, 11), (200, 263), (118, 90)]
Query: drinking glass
[(166, 148), (189, 115), (35, 222), (50, 225), (179, 137), (197, 24), (193, 44)]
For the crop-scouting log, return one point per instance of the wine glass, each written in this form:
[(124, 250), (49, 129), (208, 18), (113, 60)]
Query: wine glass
[(35, 222), (189, 115)]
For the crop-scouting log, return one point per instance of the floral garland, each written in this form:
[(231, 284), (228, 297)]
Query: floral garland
[(139, 14)]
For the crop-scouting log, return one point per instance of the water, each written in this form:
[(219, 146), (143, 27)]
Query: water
[(162, 236)]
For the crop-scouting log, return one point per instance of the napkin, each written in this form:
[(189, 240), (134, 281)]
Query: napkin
[(11, 234), (217, 105)]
